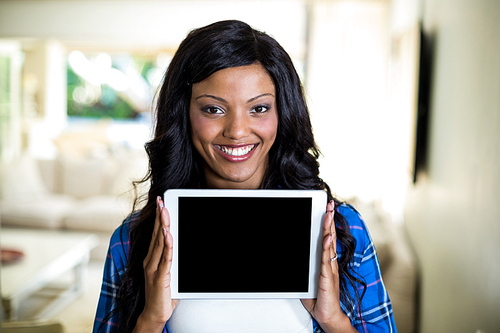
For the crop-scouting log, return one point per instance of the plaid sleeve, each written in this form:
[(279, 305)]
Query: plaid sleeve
[(116, 262), (374, 314)]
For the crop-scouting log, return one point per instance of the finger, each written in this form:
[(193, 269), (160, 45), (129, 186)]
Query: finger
[(334, 264), (327, 220), (326, 279), (165, 217), (166, 260), (159, 246), (334, 236), (158, 219), (334, 254), (328, 240), (156, 231), (327, 228), (334, 241), (160, 249), (332, 226)]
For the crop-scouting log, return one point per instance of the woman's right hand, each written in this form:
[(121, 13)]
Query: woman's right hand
[(158, 302)]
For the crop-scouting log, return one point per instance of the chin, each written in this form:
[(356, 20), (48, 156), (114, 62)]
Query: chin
[(244, 181)]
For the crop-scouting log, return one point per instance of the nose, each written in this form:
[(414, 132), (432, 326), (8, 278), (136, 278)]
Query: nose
[(237, 126)]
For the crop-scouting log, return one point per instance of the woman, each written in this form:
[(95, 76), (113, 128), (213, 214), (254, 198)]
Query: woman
[(231, 114)]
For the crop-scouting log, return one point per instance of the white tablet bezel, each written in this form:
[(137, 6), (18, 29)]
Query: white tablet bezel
[(319, 201)]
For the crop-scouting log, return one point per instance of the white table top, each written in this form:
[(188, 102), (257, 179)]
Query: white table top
[(46, 253)]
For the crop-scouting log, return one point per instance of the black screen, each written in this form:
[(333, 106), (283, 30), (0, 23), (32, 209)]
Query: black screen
[(243, 245)]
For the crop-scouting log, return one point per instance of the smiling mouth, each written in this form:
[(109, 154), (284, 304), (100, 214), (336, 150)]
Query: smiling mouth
[(236, 151)]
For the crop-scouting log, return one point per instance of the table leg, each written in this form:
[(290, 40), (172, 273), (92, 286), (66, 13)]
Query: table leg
[(11, 308), (81, 271)]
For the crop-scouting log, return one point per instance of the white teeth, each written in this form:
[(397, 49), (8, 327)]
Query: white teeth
[(240, 151)]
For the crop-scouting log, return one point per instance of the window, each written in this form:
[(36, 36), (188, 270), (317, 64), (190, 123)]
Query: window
[(120, 86)]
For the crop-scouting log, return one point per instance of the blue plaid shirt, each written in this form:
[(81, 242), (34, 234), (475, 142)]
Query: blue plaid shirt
[(374, 315)]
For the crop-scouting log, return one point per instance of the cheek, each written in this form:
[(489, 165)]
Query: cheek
[(269, 129), (202, 130)]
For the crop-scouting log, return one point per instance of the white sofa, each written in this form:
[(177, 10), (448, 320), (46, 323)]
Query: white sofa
[(91, 194)]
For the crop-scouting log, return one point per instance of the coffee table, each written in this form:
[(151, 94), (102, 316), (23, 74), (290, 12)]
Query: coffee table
[(48, 254)]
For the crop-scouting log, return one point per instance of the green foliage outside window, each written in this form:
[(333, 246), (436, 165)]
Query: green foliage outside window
[(91, 100)]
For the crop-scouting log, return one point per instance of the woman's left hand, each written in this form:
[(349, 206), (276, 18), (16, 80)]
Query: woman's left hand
[(325, 309)]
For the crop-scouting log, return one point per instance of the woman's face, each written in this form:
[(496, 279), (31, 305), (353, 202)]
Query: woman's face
[(233, 125)]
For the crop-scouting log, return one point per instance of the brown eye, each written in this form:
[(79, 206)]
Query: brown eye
[(260, 109), (212, 110)]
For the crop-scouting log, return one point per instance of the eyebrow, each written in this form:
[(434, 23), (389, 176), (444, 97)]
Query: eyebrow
[(224, 101)]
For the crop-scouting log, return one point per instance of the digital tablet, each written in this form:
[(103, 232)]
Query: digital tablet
[(245, 243)]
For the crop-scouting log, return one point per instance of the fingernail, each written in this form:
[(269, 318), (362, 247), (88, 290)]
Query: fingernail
[(164, 232), (330, 206), (159, 201)]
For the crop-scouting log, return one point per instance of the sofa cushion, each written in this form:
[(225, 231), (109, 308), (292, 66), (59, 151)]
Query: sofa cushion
[(98, 213), (81, 178), (21, 180), (46, 212)]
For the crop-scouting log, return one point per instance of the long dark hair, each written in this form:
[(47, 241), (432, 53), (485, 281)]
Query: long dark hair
[(174, 163)]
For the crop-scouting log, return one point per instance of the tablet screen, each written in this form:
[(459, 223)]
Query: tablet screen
[(243, 244)]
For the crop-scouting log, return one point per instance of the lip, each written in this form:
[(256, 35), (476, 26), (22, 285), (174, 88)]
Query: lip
[(236, 158)]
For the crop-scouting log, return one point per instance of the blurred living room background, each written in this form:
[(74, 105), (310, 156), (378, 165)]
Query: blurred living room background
[(404, 97)]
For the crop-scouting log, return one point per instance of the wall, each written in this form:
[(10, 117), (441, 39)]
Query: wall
[(452, 214), (347, 89), (145, 24)]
